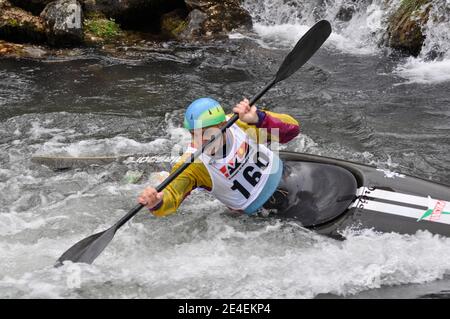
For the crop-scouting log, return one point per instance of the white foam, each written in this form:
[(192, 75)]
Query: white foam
[(288, 21), (416, 70), (13, 223), (390, 174), (288, 34), (200, 253), (301, 143), (56, 145), (117, 145), (37, 130)]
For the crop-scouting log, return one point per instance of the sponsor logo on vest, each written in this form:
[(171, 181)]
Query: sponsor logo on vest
[(240, 157), (434, 214)]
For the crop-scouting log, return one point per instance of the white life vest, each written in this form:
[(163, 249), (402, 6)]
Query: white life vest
[(239, 179)]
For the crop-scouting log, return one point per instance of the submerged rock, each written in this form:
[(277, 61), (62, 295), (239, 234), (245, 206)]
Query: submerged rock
[(15, 50), (64, 19), (35, 52), (345, 13), (10, 49), (405, 26), (20, 26)]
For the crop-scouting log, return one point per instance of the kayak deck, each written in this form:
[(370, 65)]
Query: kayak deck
[(387, 201)]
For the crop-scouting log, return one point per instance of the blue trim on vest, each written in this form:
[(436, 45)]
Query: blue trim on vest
[(268, 189)]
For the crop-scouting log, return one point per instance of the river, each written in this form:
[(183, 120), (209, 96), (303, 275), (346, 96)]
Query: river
[(355, 100)]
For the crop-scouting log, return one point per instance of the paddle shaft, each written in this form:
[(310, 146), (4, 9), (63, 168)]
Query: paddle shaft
[(180, 170), (91, 247)]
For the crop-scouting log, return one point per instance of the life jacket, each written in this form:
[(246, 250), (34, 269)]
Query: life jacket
[(247, 176)]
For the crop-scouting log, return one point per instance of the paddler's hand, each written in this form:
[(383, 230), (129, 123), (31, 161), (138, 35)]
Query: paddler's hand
[(246, 112), (150, 197)]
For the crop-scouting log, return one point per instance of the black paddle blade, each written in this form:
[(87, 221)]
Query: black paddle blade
[(304, 49), (86, 250)]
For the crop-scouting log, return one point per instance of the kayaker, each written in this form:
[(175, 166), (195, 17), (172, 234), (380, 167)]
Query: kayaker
[(239, 169)]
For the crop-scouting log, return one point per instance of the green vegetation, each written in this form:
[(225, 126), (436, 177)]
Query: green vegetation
[(13, 22), (102, 27), (412, 5), (181, 26), (173, 25)]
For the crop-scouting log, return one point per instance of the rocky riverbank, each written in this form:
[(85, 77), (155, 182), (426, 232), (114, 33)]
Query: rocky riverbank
[(51, 26), (39, 27)]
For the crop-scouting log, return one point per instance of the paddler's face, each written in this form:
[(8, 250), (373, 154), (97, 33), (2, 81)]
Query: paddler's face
[(202, 136)]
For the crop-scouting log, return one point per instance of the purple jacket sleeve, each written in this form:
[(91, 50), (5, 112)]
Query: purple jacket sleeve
[(288, 126)]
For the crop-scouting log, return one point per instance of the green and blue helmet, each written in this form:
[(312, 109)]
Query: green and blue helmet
[(203, 112)]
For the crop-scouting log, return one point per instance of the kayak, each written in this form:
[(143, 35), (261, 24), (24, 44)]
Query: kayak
[(339, 194), (330, 195)]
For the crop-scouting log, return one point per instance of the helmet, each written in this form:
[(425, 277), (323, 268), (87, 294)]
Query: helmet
[(203, 112)]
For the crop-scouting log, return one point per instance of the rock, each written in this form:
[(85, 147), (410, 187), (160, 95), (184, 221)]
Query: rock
[(345, 13), (226, 16), (199, 4), (10, 49), (64, 19), (173, 23), (20, 26), (194, 25), (33, 6), (404, 31), (222, 16), (21, 50), (34, 52)]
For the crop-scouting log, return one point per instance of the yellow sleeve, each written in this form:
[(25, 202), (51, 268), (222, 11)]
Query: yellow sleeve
[(195, 175)]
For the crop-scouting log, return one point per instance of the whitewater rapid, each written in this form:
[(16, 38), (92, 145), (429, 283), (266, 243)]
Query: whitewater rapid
[(361, 32), (203, 251)]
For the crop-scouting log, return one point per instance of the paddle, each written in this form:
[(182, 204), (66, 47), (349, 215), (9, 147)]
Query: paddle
[(88, 249)]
